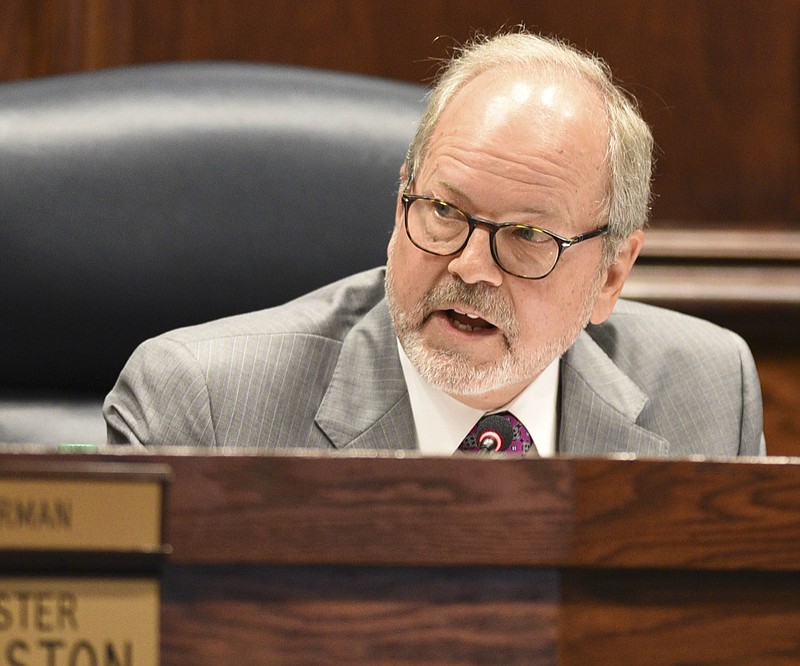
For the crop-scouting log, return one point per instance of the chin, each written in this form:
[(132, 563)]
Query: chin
[(455, 373)]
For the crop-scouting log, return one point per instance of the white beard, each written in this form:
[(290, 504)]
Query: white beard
[(452, 371)]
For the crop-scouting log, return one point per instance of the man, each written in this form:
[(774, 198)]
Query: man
[(519, 217)]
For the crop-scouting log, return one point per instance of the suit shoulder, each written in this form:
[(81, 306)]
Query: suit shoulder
[(636, 320), (698, 379), (644, 336)]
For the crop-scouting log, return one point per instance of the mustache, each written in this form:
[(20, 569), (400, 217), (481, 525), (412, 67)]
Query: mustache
[(479, 297)]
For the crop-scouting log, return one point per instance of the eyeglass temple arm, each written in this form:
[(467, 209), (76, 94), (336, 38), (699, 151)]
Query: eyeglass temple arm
[(568, 242)]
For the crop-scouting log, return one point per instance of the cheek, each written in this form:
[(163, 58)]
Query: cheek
[(414, 271), (547, 309), (402, 269)]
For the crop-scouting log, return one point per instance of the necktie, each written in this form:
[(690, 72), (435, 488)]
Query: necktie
[(501, 432)]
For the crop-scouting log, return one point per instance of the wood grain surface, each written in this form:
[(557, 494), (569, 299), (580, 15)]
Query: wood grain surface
[(336, 560)]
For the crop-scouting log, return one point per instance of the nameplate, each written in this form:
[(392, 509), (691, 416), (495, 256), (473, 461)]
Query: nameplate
[(50, 621), (116, 507)]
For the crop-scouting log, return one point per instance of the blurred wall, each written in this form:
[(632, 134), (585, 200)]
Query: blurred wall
[(719, 80)]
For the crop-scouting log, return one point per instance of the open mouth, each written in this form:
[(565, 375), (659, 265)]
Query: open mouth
[(469, 323)]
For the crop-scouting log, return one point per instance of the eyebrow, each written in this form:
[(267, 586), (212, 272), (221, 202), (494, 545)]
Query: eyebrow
[(460, 196)]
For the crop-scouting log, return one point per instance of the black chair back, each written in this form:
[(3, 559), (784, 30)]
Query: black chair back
[(140, 199)]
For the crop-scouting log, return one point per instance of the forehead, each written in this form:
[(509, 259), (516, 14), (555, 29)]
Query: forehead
[(515, 139), (517, 113)]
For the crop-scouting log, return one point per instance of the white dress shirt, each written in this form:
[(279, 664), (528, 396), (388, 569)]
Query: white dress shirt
[(442, 422)]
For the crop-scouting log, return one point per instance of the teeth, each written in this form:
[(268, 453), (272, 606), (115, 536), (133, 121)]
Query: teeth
[(466, 314), (462, 327)]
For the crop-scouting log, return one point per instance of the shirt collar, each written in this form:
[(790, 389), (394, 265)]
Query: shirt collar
[(441, 422)]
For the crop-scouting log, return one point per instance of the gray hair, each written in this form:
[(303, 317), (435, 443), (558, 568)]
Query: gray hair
[(629, 156)]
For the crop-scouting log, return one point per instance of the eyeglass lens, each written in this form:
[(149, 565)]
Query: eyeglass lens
[(442, 229)]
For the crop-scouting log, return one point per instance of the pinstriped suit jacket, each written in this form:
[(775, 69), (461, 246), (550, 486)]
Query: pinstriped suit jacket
[(322, 372)]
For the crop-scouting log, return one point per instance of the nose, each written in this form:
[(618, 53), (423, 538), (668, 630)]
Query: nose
[(475, 262)]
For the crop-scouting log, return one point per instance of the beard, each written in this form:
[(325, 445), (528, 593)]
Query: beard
[(453, 371)]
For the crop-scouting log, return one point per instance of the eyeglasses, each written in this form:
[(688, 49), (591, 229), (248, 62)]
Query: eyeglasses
[(440, 228)]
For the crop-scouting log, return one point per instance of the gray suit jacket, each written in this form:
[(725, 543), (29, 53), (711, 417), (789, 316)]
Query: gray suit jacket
[(322, 372)]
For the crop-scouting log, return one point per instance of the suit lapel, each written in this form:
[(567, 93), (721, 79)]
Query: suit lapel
[(366, 406), (600, 406)]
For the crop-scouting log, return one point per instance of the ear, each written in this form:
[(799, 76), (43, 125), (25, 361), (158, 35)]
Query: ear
[(398, 213), (404, 175), (616, 274), (399, 220)]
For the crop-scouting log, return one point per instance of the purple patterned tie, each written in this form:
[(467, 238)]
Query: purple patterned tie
[(501, 432)]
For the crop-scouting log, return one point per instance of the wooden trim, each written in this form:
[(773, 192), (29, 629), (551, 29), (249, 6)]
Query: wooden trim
[(714, 286), (752, 244), (708, 270)]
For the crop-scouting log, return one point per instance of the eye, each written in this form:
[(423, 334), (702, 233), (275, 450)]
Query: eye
[(530, 235), (445, 211)]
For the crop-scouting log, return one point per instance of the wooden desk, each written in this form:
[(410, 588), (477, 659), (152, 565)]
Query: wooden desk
[(318, 560)]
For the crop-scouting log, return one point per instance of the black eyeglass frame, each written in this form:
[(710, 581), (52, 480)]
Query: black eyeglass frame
[(562, 242)]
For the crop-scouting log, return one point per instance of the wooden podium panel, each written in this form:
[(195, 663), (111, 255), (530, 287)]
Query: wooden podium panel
[(323, 560)]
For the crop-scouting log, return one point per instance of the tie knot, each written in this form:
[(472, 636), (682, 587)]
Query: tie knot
[(501, 432)]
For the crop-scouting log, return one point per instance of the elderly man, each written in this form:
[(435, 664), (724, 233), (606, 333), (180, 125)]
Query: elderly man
[(519, 217)]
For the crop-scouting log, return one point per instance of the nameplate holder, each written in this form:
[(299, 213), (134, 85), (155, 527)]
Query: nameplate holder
[(82, 515), (82, 544), (51, 620)]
